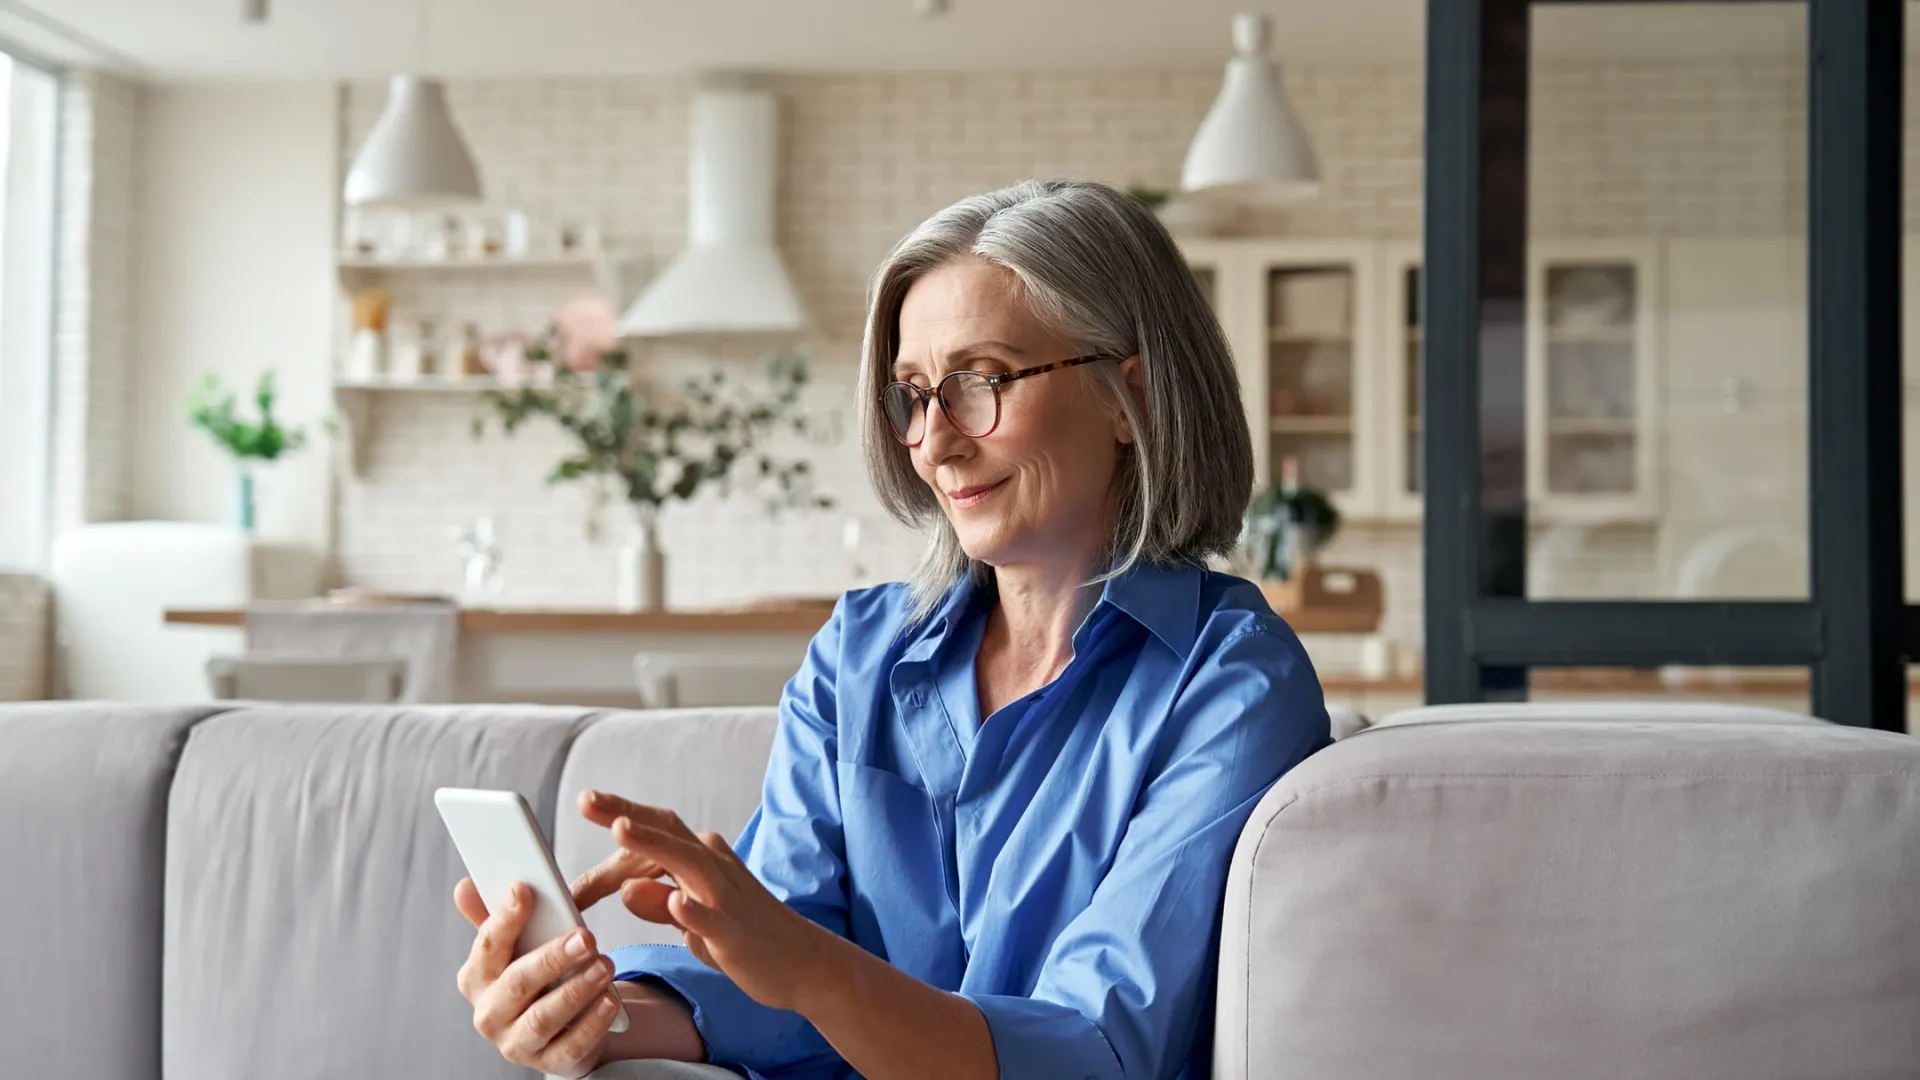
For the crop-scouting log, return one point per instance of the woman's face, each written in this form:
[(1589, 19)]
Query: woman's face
[(1035, 489)]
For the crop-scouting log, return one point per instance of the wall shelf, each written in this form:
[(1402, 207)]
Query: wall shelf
[(1312, 425), (357, 272), (424, 385), (1309, 337), (1593, 425)]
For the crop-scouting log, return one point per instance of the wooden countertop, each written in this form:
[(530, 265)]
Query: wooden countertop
[(1699, 682), (798, 618)]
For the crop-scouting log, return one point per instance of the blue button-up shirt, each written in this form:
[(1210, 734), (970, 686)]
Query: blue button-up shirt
[(1060, 865)]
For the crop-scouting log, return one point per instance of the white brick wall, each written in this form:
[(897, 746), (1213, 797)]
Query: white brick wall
[(100, 116), (25, 611), (1619, 149)]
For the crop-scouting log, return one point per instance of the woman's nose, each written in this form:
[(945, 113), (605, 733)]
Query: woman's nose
[(940, 440)]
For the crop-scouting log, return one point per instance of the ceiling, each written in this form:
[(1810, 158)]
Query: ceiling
[(327, 39)]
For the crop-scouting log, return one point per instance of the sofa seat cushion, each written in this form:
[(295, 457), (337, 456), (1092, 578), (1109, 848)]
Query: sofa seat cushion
[(310, 926), (83, 820)]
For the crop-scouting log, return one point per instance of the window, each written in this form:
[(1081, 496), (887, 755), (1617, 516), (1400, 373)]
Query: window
[(29, 105)]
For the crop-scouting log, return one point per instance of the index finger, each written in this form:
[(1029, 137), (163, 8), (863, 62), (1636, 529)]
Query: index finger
[(604, 809), (605, 878), (688, 862)]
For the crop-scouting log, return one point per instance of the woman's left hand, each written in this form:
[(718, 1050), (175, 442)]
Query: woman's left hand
[(731, 922)]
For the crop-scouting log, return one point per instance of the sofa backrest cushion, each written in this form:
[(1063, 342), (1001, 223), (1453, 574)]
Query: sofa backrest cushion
[(704, 764), (310, 927), (83, 805), (1609, 894)]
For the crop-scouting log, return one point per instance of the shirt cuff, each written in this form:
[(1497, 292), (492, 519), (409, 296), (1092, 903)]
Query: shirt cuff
[(736, 1029), (1044, 1040)]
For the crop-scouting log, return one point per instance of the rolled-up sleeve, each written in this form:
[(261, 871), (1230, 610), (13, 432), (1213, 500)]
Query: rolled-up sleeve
[(794, 845), (1124, 989)]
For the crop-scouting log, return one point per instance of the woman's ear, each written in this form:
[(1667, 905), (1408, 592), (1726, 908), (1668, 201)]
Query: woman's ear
[(1136, 377)]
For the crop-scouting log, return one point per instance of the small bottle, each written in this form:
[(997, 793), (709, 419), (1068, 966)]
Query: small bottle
[(432, 359), (471, 361), (1291, 541), (516, 234)]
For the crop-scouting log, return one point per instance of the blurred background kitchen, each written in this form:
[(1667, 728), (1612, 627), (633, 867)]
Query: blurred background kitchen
[(568, 211)]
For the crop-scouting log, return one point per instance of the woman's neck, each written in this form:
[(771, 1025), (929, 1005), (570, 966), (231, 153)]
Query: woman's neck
[(1037, 609)]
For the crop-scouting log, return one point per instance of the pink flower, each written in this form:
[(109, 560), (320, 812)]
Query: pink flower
[(506, 356), (584, 329)]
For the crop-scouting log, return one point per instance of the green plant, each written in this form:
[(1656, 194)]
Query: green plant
[(653, 451), (1286, 519), (214, 409)]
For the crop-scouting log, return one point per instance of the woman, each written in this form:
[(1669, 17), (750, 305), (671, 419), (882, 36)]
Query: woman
[(996, 824)]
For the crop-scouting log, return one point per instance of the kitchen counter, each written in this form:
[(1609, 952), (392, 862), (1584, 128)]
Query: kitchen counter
[(604, 657), (592, 656), (1620, 681), (799, 617)]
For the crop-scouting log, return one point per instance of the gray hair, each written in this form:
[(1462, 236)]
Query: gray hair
[(1102, 272)]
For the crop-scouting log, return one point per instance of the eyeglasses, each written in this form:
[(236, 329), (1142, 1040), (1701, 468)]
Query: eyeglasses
[(970, 400)]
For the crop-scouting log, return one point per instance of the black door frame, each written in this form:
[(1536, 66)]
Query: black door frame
[(1855, 631)]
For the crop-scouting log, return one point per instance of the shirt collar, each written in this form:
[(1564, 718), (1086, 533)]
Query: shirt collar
[(949, 614), (1162, 597)]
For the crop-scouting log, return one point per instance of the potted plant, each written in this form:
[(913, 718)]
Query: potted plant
[(649, 449), (1288, 524), (215, 410)]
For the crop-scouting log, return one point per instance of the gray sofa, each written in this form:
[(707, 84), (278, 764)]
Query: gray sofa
[(235, 893)]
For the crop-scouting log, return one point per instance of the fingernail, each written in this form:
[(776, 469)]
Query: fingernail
[(603, 970), (577, 946), (605, 1006)]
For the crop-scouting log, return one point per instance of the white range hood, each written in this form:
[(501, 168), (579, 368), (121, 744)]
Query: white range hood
[(730, 280)]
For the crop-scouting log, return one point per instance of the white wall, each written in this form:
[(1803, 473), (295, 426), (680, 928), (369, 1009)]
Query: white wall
[(236, 191)]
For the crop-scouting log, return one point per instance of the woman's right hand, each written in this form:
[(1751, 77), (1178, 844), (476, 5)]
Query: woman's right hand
[(561, 1031)]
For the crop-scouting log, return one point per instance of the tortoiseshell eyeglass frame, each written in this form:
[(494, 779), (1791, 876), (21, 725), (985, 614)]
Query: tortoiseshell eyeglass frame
[(925, 394)]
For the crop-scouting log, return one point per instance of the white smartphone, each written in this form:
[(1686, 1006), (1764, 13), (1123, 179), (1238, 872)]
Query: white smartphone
[(499, 839)]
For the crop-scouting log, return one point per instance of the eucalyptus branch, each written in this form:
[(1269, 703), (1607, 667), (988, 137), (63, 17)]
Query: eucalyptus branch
[(654, 453)]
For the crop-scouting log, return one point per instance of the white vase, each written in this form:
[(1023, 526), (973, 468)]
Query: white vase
[(641, 568)]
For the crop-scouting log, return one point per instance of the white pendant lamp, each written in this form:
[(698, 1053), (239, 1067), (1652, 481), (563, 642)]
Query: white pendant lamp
[(1251, 147), (414, 156)]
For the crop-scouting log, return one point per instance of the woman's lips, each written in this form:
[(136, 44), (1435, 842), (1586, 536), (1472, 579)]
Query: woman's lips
[(973, 495)]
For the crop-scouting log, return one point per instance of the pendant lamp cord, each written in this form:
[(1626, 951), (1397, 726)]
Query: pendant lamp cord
[(420, 37)]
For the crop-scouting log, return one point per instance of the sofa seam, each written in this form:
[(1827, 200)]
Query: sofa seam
[(1246, 1050)]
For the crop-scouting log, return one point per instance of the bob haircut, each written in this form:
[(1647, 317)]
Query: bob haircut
[(1102, 272)]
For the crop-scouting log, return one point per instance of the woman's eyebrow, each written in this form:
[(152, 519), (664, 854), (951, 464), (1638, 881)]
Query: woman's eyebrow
[(989, 346), (965, 352)]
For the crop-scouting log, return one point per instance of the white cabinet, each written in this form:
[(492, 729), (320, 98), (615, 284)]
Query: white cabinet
[(1326, 337), (1592, 380), (1298, 317)]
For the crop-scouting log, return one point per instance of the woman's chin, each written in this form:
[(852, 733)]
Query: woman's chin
[(982, 542)]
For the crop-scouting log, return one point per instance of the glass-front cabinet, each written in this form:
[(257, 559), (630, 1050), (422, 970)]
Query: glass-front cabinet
[(1295, 314), (1592, 392), (1326, 338)]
